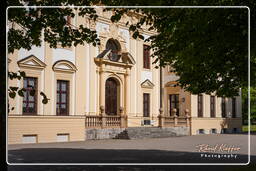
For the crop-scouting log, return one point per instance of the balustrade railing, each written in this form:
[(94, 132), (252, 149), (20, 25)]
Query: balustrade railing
[(93, 121), (174, 120), (113, 121), (102, 121)]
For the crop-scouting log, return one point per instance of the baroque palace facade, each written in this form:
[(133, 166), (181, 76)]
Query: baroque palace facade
[(114, 85)]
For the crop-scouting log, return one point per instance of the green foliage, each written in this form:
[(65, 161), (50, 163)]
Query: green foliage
[(207, 48), (45, 99), (245, 100), (49, 22)]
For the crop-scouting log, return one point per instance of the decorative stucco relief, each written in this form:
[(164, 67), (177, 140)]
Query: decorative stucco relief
[(107, 32)]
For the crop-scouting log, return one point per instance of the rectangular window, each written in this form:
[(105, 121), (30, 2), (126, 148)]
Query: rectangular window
[(174, 103), (146, 104), (146, 57), (68, 20), (29, 102), (233, 107), (212, 106), (200, 105), (62, 105), (29, 139), (223, 107), (62, 137)]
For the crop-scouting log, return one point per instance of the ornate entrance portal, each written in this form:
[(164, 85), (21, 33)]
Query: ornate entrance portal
[(111, 93)]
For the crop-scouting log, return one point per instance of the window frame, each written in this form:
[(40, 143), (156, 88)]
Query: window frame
[(146, 104), (200, 103), (212, 107), (146, 57), (27, 101), (176, 103), (233, 107), (223, 108), (59, 103), (68, 20)]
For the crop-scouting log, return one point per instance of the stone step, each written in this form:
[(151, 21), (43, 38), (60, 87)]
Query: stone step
[(152, 132), (136, 132)]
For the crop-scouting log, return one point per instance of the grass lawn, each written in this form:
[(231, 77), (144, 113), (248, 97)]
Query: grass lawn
[(245, 128)]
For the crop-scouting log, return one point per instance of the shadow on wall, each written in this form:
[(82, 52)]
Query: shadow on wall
[(228, 126)]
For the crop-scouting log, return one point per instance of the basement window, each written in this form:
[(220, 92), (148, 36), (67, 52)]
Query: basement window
[(214, 131), (62, 137), (201, 131), (224, 131), (26, 139), (235, 130)]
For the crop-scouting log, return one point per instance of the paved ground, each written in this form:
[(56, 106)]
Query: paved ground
[(162, 150)]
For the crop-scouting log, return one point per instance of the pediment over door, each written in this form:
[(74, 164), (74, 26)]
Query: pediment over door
[(124, 58), (31, 62), (147, 84)]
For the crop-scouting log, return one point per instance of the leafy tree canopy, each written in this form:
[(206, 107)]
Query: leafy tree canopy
[(245, 99), (206, 47)]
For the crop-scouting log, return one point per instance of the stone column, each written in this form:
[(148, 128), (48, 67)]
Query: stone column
[(187, 117), (127, 91), (102, 115), (174, 113), (123, 118), (160, 118), (102, 86)]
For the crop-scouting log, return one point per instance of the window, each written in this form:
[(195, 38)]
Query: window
[(224, 130), (113, 45), (201, 131), (235, 130), (223, 107), (174, 103), (62, 106), (147, 122), (29, 139), (214, 131), (69, 20), (29, 102), (146, 104), (146, 57), (63, 137), (200, 105), (233, 107), (212, 107)]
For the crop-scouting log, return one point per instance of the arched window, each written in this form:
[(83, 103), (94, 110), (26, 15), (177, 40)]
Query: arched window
[(114, 46)]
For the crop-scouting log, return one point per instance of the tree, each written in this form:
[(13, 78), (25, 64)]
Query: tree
[(207, 48), (245, 99)]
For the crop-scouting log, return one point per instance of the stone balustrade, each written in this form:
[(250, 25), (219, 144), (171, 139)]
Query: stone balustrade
[(174, 120), (106, 121)]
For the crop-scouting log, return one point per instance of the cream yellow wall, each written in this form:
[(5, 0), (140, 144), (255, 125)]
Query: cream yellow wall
[(49, 81), (13, 67), (214, 123), (45, 127)]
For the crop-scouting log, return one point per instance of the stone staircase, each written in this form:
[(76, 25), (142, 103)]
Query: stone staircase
[(152, 132)]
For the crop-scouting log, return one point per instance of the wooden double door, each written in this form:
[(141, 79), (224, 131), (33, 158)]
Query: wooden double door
[(111, 96)]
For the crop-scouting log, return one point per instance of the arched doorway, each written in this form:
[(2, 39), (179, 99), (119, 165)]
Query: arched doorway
[(111, 96)]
